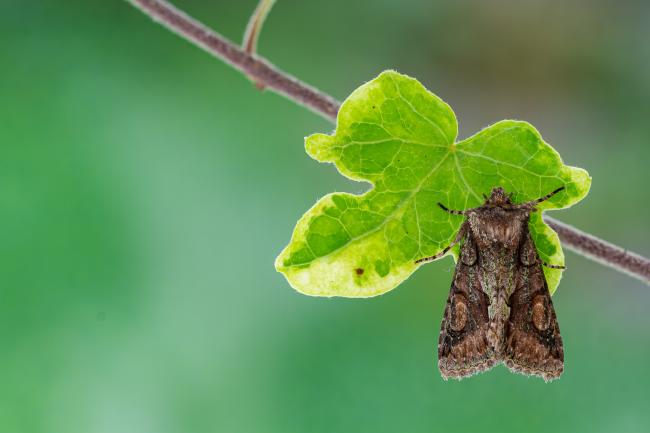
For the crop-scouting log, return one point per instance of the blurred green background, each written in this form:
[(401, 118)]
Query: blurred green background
[(146, 189)]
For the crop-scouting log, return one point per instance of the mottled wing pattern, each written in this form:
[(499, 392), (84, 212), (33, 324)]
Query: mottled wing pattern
[(463, 349), (533, 341)]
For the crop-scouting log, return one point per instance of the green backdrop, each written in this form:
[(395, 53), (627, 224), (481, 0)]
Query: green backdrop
[(146, 189)]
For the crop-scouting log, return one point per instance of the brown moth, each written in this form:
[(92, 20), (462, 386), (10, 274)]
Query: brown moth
[(499, 308)]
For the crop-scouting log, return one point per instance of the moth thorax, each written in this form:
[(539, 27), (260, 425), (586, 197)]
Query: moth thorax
[(500, 230)]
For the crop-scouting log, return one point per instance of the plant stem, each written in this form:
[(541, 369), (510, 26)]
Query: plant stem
[(601, 251), (255, 24), (257, 68), (264, 73), (253, 30)]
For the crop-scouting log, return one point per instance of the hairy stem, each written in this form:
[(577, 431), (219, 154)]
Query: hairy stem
[(265, 74), (257, 68), (253, 30), (601, 251)]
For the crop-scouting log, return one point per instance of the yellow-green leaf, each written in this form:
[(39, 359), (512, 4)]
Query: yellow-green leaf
[(401, 138)]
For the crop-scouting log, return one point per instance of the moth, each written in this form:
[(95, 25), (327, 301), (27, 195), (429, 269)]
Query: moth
[(499, 308)]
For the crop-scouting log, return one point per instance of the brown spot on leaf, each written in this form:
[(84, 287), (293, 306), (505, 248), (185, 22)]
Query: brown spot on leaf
[(359, 271)]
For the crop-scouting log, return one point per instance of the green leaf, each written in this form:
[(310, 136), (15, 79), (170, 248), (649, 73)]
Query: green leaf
[(401, 138)]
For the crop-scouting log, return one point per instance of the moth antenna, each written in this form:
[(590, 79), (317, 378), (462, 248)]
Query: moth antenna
[(451, 211), (553, 266), (547, 196)]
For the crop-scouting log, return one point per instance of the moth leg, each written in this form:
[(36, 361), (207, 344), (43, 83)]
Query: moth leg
[(451, 211), (553, 266), (459, 237)]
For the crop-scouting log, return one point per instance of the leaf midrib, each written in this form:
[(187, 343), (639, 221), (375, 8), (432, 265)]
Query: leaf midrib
[(398, 208)]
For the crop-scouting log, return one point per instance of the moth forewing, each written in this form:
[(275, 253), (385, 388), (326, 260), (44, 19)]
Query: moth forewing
[(463, 348), (533, 341)]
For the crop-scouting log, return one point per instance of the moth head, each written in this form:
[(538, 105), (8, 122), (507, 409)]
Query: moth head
[(499, 197)]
